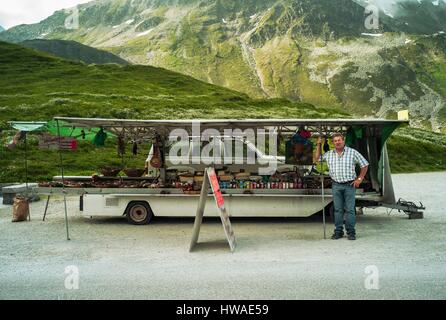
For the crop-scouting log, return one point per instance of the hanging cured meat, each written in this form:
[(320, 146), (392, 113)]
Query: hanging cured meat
[(156, 162)]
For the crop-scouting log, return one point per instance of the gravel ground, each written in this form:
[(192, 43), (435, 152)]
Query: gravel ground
[(274, 258)]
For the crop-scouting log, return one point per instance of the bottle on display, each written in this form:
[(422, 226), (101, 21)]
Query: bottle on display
[(299, 184)]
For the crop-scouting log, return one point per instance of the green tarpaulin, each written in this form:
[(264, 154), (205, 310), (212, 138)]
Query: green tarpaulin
[(385, 134), (68, 131), (353, 134), (86, 134), (356, 133), (387, 130)]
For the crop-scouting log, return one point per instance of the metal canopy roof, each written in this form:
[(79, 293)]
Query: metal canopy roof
[(225, 123)]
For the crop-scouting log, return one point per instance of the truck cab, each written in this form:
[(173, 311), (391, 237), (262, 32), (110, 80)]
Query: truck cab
[(195, 155)]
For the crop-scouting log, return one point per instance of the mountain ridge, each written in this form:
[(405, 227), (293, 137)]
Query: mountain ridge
[(72, 50)]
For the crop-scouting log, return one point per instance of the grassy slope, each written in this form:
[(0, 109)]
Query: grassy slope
[(415, 150), (36, 86)]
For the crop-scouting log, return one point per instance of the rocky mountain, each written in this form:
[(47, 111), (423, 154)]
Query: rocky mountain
[(72, 50), (317, 51), (412, 16), (2, 29)]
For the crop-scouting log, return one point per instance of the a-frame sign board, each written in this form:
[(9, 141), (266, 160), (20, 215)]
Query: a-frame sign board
[(210, 178)]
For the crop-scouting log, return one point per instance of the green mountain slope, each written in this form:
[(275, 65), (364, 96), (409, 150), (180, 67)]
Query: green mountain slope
[(72, 50), (37, 86)]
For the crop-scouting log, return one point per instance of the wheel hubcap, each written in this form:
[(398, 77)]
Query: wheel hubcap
[(138, 213)]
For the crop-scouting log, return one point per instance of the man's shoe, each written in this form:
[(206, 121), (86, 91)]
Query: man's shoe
[(351, 237), (336, 236)]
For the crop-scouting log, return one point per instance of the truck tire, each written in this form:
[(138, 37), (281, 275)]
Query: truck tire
[(139, 213)]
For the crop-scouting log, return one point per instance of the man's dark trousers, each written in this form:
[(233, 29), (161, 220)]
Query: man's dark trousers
[(344, 199)]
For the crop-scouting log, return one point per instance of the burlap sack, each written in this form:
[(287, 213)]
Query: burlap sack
[(20, 209)]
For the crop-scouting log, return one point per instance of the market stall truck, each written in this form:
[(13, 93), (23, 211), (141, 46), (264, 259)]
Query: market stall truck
[(140, 205)]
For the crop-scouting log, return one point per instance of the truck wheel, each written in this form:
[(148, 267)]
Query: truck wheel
[(139, 213)]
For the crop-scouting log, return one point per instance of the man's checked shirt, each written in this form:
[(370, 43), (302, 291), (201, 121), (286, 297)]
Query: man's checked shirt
[(342, 168)]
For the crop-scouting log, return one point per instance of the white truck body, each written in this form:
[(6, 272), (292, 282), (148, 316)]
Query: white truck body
[(238, 202), (237, 205)]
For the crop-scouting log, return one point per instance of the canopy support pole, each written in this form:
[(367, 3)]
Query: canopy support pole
[(63, 180), (46, 207), (323, 191), (26, 173)]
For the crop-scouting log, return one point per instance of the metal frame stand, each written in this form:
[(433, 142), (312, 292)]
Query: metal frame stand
[(63, 181), (200, 212), (322, 190), (46, 207), (323, 205), (26, 174)]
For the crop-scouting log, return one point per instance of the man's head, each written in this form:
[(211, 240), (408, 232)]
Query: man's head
[(338, 140)]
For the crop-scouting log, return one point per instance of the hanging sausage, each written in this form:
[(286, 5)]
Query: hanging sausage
[(326, 146), (156, 161), (135, 148)]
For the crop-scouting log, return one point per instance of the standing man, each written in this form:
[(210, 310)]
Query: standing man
[(341, 163)]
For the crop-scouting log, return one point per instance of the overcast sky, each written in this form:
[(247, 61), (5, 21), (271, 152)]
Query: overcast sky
[(14, 12)]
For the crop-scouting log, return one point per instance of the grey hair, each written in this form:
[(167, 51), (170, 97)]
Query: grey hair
[(337, 134)]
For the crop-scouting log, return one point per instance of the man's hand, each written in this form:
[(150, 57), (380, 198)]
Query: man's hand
[(356, 183), (317, 158)]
